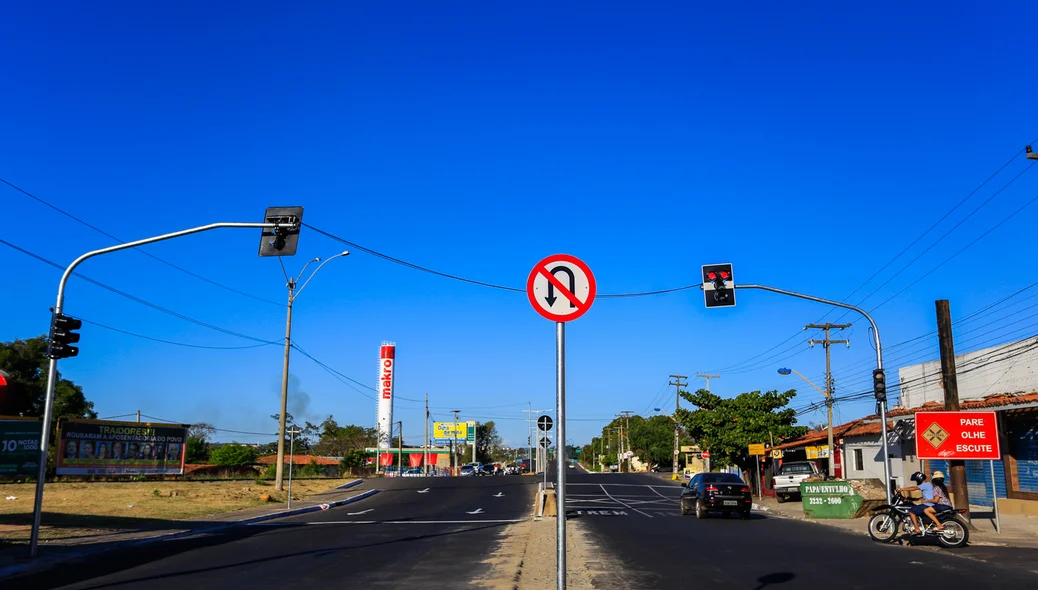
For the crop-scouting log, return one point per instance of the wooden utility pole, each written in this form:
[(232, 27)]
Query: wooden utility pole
[(425, 459), (829, 380), (956, 467)]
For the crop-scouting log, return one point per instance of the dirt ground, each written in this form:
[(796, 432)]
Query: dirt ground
[(526, 558), (72, 509)]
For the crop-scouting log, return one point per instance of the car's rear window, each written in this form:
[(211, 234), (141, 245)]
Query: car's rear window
[(796, 468), (722, 478)]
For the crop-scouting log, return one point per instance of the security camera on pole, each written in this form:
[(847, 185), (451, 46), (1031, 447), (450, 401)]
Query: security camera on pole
[(561, 288)]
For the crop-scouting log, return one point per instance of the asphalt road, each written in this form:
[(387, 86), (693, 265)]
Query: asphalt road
[(634, 520), (416, 532)]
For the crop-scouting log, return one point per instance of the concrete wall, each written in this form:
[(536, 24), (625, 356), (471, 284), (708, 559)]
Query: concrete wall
[(1006, 368)]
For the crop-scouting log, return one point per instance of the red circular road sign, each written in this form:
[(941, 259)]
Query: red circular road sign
[(706, 454), (561, 288)]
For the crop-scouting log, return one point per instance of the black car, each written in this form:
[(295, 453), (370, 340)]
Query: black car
[(718, 492)]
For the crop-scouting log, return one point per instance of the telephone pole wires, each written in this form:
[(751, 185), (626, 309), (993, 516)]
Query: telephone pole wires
[(829, 378)]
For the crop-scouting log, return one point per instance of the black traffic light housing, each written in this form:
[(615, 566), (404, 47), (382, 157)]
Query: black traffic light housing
[(879, 385), (282, 240), (62, 336), (718, 285)]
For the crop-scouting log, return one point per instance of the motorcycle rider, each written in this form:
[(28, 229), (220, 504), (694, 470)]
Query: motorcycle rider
[(926, 507)]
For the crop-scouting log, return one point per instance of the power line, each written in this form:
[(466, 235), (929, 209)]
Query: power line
[(138, 299), (148, 254), (185, 344), (445, 275)]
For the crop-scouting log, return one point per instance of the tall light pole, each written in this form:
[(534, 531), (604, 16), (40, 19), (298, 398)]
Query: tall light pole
[(400, 449), (828, 403), (677, 406), (292, 294), (454, 449), (708, 377)]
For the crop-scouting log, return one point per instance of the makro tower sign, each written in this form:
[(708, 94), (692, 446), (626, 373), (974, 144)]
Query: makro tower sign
[(386, 381)]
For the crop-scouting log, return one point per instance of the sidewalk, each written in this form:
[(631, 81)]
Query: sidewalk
[(14, 558), (1017, 530)]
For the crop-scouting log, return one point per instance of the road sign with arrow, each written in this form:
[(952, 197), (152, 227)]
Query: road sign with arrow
[(544, 422), (561, 288)]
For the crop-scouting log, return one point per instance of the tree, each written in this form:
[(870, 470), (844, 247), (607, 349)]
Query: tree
[(727, 426), (26, 363), (652, 439), (197, 447), (353, 459), (337, 441), (233, 455), (304, 440), (488, 441)]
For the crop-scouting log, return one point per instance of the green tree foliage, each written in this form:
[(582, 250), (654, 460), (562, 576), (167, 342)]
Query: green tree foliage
[(337, 441), (488, 442), (304, 441), (352, 459), (727, 426), (197, 447), (233, 455), (26, 363), (652, 439)]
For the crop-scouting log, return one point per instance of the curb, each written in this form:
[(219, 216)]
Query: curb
[(27, 567), (350, 484)]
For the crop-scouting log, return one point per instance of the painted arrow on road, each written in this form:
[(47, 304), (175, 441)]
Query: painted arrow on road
[(423, 491), (499, 495), (477, 511), (361, 512)]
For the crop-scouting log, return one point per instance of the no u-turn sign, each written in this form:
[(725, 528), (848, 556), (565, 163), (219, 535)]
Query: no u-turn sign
[(561, 288)]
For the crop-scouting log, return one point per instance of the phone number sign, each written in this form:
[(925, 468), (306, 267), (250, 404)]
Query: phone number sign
[(956, 435)]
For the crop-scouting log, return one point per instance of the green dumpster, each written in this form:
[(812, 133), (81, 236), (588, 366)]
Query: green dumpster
[(829, 499)]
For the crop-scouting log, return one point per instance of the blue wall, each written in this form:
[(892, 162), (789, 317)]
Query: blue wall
[(978, 479)]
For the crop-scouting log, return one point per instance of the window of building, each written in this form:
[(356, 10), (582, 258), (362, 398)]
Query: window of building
[(859, 461)]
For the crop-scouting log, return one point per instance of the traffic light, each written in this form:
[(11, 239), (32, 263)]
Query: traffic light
[(62, 336), (282, 240), (718, 285), (879, 385)]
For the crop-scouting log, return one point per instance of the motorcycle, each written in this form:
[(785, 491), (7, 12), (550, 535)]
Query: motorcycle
[(892, 518)]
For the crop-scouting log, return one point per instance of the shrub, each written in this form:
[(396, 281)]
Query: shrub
[(233, 455)]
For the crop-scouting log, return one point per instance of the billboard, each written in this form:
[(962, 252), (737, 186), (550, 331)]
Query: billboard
[(386, 383), (99, 447), (458, 430), (20, 446), (956, 435)]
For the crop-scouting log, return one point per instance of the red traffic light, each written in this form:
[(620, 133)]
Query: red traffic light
[(724, 275), (711, 275)]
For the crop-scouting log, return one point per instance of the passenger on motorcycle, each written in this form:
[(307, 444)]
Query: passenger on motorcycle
[(926, 507), (941, 498)]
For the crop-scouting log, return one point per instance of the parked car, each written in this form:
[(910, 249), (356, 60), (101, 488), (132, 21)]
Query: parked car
[(786, 482), (413, 472), (720, 492), (467, 470)]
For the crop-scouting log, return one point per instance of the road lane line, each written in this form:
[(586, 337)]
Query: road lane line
[(361, 512), (472, 522), (606, 492), (664, 497)]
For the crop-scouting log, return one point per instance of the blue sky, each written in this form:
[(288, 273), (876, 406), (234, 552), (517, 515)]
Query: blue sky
[(807, 145)]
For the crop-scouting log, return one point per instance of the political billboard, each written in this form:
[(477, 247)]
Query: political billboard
[(20, 446), (99, 447)]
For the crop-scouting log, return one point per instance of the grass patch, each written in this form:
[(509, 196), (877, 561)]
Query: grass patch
[(95, 508)]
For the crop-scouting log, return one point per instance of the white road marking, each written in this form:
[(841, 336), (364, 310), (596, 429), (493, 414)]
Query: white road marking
[(625, 505), (664, 497), (499, 495), (423, 491), (476, 511), (473, 522), (361, 512)]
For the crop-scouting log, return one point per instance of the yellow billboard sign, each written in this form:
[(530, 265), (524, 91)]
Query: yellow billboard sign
[(458, 430), (812, 452), (776, 454), (757, 449)]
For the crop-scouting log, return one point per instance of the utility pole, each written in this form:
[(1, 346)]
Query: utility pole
[(625, 435), (677, 406), (949, 380), (829, 379), (708, 377), (425, 444), (138, 415), (454, 445)]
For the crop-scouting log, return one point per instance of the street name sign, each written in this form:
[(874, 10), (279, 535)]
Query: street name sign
[(956, 435), (561, 288)]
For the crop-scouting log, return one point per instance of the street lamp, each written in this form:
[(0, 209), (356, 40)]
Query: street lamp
[(292, 294), (829, 407)]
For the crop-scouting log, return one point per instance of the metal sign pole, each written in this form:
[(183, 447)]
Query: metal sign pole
[(994, 499), (560, 435)]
